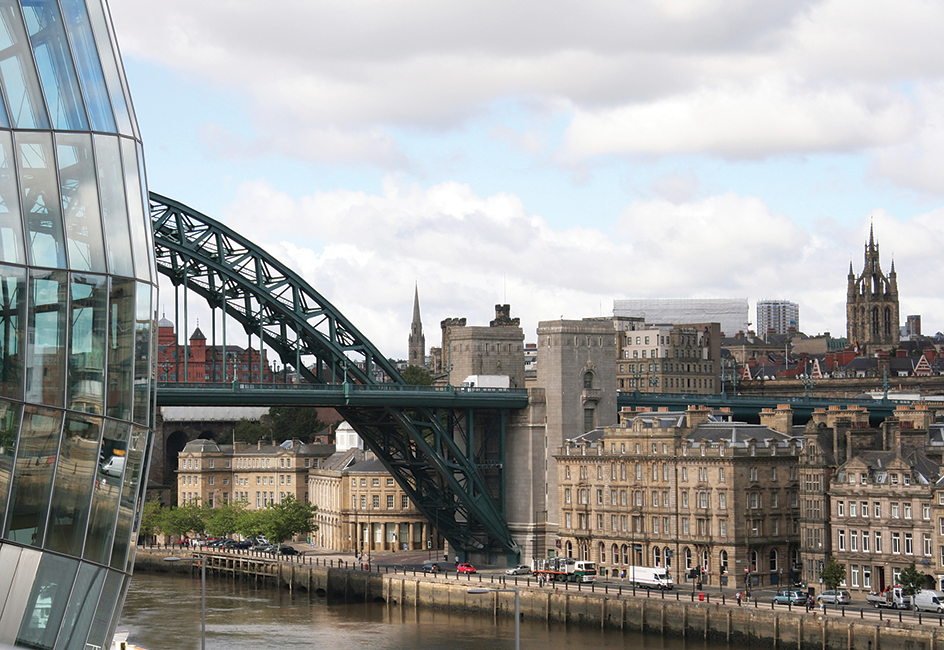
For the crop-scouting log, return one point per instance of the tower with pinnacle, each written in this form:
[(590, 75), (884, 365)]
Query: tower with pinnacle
[(872, 319), (417, 345)]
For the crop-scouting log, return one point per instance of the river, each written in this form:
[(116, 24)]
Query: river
[(162, 612)]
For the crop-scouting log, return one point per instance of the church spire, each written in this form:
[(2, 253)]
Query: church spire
[(417, 342)]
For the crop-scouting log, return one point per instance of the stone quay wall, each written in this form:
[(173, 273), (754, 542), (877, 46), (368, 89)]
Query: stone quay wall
[(671, 613)]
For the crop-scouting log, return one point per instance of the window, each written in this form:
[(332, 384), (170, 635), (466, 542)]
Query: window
[(703, 474), (752, 474), (375, 501), (907, 507), (773, 470), (878, 542), (842, 540), (926, 539), (375, 482), (865, 541), (841, 508), (877, 509), (896, 543), (566, 495), (655, 499), (567, 521), (852, 508), (926, 511), (723, 527), (894, 511), (599, 497), (722, 501), (853, 540), (909, 544), (685, 526), (721, 474), (684, 499), (404, 502), (685, 474), (864, 506)]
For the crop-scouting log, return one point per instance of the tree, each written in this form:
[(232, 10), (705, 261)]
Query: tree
[(282, 521), (184, 520), (151, 515), (251, 431), (911, 580), (416, 376), (300, 422), (833, 573), (224, 520)]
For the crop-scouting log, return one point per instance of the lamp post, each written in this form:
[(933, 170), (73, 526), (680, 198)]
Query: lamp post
[(203, 593), (483, 590)]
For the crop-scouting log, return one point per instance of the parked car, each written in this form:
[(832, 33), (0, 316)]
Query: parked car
[(243, 544), (287, 550), (787, 597), (431, 566), (520, 570), (835, 597), (465, 567)]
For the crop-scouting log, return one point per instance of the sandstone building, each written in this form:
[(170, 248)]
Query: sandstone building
[(872, 316)]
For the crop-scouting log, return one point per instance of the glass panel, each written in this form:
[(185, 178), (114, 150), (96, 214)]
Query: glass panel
[(17, 74), (26, 566), (89, 308), (11, 222), (129, 497), (138, 465), (32, 475), (72, 492), (107, 490), (146, 207), (110, 63), (121, 348), (80, 201), (90, 69), (145, 324), (40, 199), (140, 236), (54, 62), (105, 609), (82, 604), (114, 209), (12, 330), (47, 602), (9, 428), (46, 337)]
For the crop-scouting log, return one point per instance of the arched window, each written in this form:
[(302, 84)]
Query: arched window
[(656, 556), (614, 551), (773, 560), (723, 558), (602, 550), (569, 549), (668, 557), (625, 553), (753, 560), (588, 380), (584, 552), (688, 558), (704, 559)]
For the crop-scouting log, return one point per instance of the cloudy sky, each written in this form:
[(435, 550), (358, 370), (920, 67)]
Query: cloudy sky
[(554, 155)]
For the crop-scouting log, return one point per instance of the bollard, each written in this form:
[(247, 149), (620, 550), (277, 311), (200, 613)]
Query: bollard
[(899, 617), (722, 599), (844, 613), (676, 596)]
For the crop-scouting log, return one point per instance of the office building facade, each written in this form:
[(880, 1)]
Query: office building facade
[(777, 317), (77, 326)]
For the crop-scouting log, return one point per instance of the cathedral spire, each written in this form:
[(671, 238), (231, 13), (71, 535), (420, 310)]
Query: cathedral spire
[(417, 342)]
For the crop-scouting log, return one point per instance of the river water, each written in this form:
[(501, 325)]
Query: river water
[(162, 612)]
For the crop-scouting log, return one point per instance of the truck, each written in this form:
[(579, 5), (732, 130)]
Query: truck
[(565, 569), (649, 577), (891, 597), (486, 381)]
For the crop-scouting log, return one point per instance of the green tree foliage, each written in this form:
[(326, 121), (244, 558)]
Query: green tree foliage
[(251, 431), (282, 521), (286, 422), (416, 376), (833, 573), (183, 520), (224, 520), (151, 515), (911, 580)]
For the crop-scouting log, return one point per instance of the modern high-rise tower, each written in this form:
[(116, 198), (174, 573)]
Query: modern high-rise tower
[(77, 325), (777, 316)]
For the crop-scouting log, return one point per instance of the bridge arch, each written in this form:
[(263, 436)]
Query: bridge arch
[(453, 477)]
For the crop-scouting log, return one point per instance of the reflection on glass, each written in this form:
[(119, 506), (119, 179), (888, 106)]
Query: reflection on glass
[(102, 621), (121, 324), (110, 62), (89, 308), (32, 475), (113, 206), (9, 428), (105, 495), (143, 331), (46, 337), (80, 201), (140, 238), (78, 617), (90, 70), (40, 199), (54, 63), (72, 492), (17, 74), (12, 330), (131, 493), (47, 602), (11, 223)]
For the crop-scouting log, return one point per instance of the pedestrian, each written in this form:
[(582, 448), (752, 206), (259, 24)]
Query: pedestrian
[(457, 560), (809, 603), (738, 596)]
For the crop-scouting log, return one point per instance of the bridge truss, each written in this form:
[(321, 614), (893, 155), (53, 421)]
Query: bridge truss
[(448, 460)]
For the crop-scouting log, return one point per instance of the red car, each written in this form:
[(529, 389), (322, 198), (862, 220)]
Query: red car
[(465, 567)]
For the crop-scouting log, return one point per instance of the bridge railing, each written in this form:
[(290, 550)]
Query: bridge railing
[(340, 388)]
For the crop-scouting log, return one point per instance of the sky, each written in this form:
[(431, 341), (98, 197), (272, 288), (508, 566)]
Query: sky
[(553, 155)]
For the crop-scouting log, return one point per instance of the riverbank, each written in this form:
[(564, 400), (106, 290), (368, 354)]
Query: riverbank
[(671, 614)]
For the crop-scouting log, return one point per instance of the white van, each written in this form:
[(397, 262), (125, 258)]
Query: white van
[(929, 601)]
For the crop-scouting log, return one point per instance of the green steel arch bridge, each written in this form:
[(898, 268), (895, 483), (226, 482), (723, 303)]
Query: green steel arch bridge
[(445, 446)]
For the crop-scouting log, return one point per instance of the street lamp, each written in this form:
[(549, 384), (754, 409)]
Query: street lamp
[(483, 590), (203, 594)]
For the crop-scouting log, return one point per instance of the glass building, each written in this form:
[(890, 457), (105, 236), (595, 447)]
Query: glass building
[(77, 325)]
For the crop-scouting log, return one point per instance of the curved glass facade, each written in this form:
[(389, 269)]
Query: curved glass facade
[(77, 325)]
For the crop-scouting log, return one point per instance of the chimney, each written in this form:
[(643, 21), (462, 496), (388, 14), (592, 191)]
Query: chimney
[(696, 415), (259, 444)]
